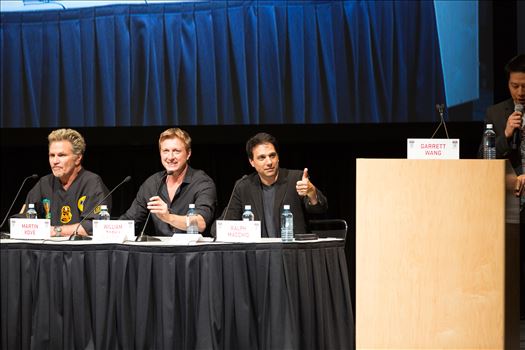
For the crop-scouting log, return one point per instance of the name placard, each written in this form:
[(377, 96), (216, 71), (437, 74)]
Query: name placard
[(30, 228), (432, 148), (113, 231), (238, 231)]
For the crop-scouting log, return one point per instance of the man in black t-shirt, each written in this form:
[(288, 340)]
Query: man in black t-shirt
[(70, 193)]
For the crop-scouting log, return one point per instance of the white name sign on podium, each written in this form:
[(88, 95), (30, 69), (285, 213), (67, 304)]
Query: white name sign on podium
[(432, 148), (238, 231), (113, 231), (30, 228)]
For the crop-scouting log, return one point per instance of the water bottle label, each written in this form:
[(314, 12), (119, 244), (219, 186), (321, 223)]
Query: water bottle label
[(193, 230), (287, 235), (247, 216)]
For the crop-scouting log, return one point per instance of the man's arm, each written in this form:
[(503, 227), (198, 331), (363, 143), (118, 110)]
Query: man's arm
[(504, 125), (67, 230), (205, 202)]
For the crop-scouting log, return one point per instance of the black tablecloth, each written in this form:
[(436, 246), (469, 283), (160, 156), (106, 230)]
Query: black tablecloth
[(112, 296)]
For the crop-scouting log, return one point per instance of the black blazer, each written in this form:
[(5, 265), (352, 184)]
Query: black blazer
[(498, 115), (249, 191)]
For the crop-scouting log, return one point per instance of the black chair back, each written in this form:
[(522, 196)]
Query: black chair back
[(329, 228)]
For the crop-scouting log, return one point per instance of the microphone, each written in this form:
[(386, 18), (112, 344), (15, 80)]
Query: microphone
[(231, 196), (75, 236), (145, 238), (440, 109), (516, 134), (6, 235)]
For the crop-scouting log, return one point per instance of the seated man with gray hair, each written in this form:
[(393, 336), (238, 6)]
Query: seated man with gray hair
[(70, 192)]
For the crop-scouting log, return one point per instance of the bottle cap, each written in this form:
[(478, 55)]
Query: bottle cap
[(192, 206), (286, 207), (31, 206), (247, 207), (489, 126), (103, 207)]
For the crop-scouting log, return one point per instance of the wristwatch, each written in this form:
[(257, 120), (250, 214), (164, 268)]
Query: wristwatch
[(58, 231)]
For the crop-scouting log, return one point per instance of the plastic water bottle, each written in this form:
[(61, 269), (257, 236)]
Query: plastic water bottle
[(31, 212), (489, 143), (247, 215), (104, 213), (286, 224), (191, 220)]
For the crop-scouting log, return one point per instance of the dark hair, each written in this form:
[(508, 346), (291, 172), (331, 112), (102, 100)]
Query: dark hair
[(259, 139), (516, 64)]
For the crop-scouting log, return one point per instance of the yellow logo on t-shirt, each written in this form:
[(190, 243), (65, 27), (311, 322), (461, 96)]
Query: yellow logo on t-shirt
[(65, 214), (80, 203)]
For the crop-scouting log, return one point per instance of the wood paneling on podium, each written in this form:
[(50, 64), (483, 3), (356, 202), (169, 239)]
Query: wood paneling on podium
[(436, 255)]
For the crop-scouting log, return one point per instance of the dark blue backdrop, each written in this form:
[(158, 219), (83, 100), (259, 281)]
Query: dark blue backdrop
[(216, 63)]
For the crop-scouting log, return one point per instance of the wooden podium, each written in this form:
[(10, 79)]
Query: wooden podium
[(437, 255)]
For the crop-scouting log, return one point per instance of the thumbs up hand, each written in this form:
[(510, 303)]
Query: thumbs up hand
[(305, 188), (305, 174)]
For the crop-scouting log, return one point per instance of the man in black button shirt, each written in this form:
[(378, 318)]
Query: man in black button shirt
[(271, 187), (70, 192), (168, 193)]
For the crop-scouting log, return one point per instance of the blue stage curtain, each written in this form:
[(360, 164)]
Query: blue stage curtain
[(218, 63)]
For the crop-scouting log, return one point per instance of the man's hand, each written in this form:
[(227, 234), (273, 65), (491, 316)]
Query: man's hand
[(513, 122), (305, 188), (520, 183), (158, 207)]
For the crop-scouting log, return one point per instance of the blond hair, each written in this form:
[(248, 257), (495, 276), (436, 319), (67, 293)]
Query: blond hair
[(176, 133), (77, 141)]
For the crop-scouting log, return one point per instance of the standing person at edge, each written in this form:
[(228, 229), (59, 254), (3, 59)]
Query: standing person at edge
[(168, 193), (70, 192), (270, 187), (506, 120)]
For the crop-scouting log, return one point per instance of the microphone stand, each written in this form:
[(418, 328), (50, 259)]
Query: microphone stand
[(440, 108), (225, 212), (231, 196), (75, 236), (145, 238), (5, 235)]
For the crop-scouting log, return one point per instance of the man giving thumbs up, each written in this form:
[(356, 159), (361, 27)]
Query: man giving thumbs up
[(270, 187)]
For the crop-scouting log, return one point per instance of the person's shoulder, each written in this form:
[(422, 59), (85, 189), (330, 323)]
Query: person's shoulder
[(155, 177), (503, 105), (292, 173), (248, 180), (46, 179), (90, 177), (199, 175), (89, 174)]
